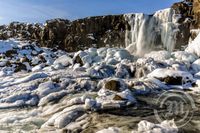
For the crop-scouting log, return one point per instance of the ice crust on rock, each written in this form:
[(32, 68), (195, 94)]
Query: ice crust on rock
[(194, 46), (164, 127)]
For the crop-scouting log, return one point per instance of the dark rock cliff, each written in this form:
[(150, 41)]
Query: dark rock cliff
[(190, 12), (80, 34)]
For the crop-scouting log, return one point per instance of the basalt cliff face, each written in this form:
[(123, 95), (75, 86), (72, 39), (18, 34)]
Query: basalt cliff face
[(190, 11), (114, 30), (72, 36)]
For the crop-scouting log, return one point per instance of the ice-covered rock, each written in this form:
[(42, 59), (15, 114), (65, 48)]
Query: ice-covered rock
[(113, 93), (147, 86), (63, 60), (172, 77), (38, 67), (92, 52), (194, 46), (7, 45), (90, 103), (183, 56), (30, 77), (101, 71), (46, 88), (159, 55), (196, 66), (110, 130), (123, 54), (164, 127)]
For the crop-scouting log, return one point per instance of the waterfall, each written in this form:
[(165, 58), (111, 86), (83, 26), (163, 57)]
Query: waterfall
[(151, 32)]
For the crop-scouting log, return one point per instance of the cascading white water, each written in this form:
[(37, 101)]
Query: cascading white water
[(150, 32)]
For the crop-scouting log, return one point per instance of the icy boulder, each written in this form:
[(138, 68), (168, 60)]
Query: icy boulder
[(63, 60), (146, 86), (92, 52), (196, 66), (114, 93), (194, 46), (102, 52), (159, 55), (184, 56), (47, 88), (82, 58), (172, 77), (123, 54), (31, 77), (164, 127), (7, 45), (101, 71), (110, 130)]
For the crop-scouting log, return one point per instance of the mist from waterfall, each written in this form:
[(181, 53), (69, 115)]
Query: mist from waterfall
[(151, 32)]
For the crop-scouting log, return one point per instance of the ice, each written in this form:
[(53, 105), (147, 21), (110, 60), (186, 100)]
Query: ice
[(63, 60), (110, 130), (30, 77), (194, 46), (122, 54), (184, 56), (7, 45), (196, 66), (159, 55), (47, 88), (52, 97), (90, 103), (161, 74), (164, 127)]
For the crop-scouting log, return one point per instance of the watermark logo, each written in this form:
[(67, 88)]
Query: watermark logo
[(176, 105)]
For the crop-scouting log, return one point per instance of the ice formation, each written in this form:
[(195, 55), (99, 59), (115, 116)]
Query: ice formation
[(150, 32), (194, 46), (147, 127)]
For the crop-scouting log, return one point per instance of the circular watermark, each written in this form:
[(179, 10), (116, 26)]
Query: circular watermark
[(176, 105)]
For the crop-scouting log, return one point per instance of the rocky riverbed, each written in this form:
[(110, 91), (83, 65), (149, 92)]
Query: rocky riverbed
[(106, 89)]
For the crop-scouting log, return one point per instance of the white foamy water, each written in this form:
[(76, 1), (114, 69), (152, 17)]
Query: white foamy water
[(150, 32)]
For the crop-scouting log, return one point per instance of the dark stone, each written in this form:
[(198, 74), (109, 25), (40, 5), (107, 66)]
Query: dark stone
[(173, 80), (112, 85)]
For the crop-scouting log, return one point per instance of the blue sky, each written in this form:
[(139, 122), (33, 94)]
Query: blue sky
[(41, 10)]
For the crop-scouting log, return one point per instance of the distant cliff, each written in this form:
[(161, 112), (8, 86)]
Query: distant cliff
[(99, 31), (79, 34)]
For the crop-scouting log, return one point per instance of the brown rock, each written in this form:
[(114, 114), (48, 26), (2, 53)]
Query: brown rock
[(112, 85), (118, 98)]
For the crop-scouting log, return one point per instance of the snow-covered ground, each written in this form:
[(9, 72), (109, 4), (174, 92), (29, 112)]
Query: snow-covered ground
[(44, 90)]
